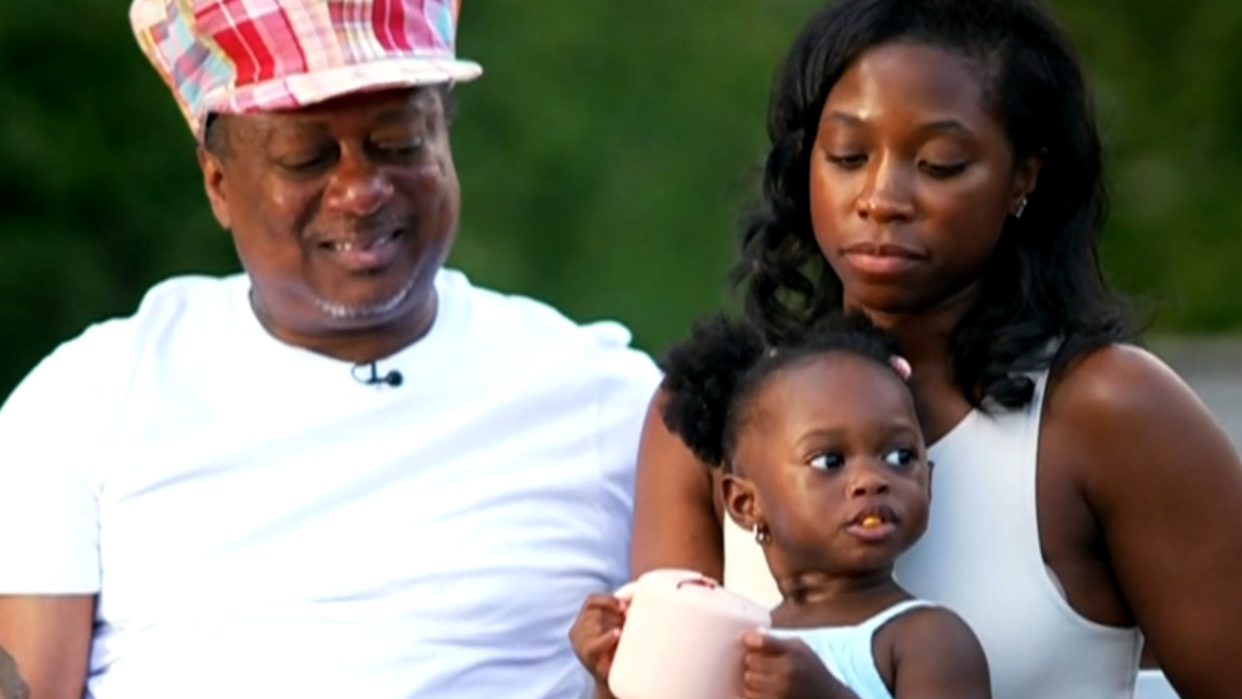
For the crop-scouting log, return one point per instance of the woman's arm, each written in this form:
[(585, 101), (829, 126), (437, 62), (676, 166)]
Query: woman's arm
[(675, 520), (1166, 486)]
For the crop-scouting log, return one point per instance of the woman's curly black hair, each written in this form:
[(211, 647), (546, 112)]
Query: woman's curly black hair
[(710, 376), (1044, 286)]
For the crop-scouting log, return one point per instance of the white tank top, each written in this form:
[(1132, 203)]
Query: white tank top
[(981, 558), (847, 650)]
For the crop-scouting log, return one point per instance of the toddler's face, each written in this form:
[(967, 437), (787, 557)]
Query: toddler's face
[(833, 452)]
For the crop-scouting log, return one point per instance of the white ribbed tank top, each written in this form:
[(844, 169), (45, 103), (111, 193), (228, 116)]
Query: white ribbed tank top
[(981, 557)]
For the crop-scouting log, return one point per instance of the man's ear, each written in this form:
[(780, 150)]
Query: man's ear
[(213, 182), (741, 502)]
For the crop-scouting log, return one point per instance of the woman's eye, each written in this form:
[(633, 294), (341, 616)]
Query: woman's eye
[(901, 457), (828, 461), (847, 161), (942, 171)]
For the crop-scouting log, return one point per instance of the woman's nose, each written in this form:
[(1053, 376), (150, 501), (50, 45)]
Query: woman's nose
[(886, 195)]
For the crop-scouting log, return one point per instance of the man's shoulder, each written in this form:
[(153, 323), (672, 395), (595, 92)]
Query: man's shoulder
[(164, 308), (171, 299), (98, 364), (521, 323)]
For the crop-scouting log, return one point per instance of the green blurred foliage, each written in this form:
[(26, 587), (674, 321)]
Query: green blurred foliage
[(604, 158)]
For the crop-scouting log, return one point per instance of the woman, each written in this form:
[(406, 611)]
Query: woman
[(935, 164)]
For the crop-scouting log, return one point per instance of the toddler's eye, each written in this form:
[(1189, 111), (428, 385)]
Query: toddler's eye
[(828, 462), (901, 457)]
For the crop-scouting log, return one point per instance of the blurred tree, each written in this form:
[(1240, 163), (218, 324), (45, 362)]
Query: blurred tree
[(604, 157), (100, 184)]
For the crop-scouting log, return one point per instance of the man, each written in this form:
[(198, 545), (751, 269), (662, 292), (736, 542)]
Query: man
[(346, 472)]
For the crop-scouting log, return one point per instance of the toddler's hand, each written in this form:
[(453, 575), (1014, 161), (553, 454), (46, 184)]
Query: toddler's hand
[(595, 633), (779, 668)]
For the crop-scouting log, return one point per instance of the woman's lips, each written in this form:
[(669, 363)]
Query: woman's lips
[(882, 259)]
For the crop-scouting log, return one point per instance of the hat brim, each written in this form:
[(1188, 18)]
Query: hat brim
[(305, 89)]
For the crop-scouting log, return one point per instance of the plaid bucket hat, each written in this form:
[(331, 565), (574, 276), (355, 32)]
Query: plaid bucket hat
[(240, 56)]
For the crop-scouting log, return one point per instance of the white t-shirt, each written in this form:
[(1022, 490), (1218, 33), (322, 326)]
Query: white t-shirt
[(258, 523)]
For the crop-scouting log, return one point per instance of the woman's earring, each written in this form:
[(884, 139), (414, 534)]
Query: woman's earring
[(762, 535), (1021, 208)]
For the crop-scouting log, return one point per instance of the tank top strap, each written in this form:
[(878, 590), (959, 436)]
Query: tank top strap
[(870, 626)]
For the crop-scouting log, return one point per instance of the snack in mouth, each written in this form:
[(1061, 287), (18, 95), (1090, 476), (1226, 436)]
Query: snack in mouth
[(872, 521)]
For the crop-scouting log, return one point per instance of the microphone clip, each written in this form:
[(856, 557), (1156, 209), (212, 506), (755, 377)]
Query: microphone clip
[(360, 373)]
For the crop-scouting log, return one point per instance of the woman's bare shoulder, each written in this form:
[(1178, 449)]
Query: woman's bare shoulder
[(1117, 382), (1122, 410), (1165, 484)]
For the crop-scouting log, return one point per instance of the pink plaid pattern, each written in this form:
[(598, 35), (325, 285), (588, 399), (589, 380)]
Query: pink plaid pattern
[(238, 56)]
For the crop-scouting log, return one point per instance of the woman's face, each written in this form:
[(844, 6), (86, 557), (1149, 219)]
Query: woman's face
[(912, 177)]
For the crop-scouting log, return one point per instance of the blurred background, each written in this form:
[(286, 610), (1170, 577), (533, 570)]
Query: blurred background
[(604, 158)]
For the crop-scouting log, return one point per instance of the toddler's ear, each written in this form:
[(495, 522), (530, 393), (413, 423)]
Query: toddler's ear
[(741, 502)]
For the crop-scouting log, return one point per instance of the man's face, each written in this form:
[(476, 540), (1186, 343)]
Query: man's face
[(341, 213)]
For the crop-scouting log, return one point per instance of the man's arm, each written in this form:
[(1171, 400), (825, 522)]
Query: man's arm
[(52, 452), (45, 645), (12, 684)]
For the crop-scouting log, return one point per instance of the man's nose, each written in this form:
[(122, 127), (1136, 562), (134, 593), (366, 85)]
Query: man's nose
[(357, 187)]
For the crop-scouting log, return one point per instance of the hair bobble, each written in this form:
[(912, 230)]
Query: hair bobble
[(901, 366)]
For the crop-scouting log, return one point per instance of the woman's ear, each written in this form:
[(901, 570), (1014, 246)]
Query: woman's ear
[(741, 502), (1026, 179)]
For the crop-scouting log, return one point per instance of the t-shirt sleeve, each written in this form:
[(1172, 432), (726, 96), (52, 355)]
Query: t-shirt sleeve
[(628, 380), (52, 436)]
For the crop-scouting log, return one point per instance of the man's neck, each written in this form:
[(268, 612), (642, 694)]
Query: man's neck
[(365, 343)]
